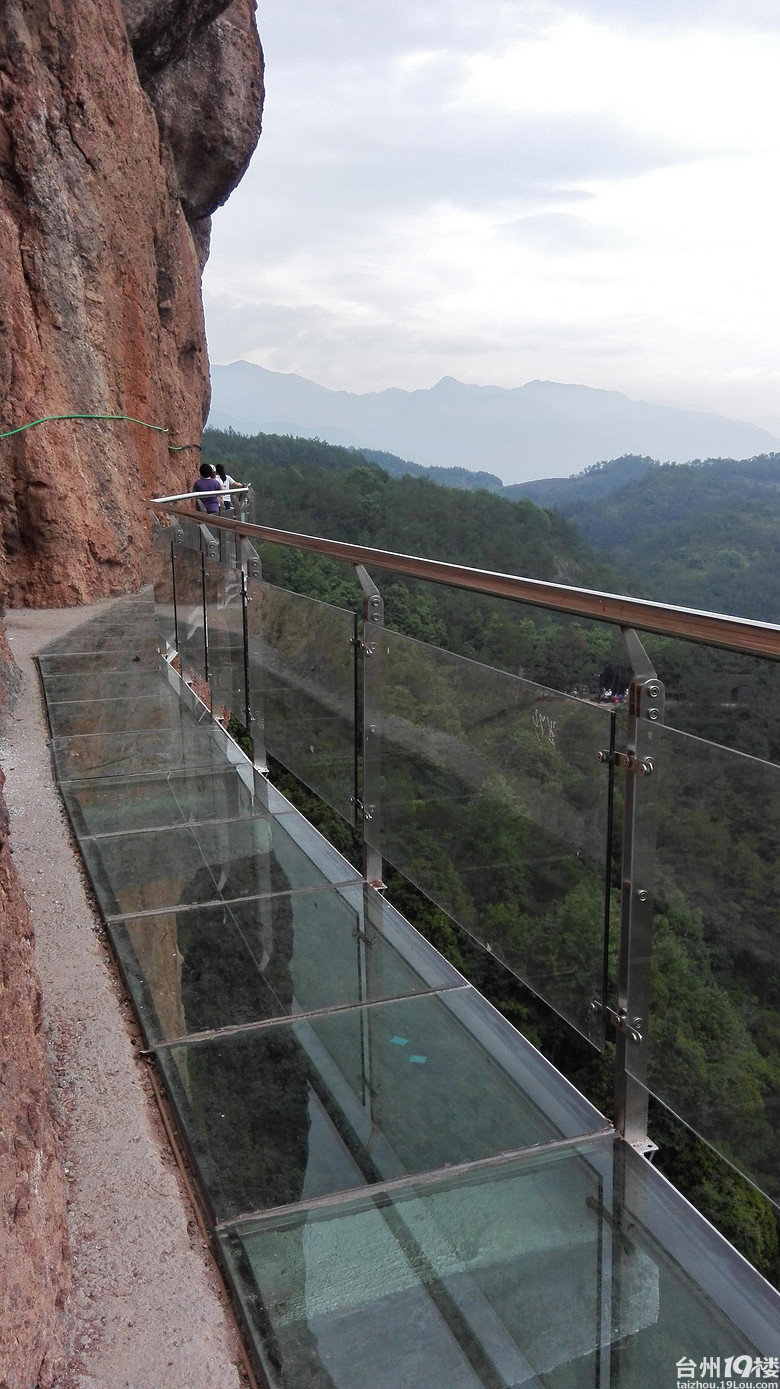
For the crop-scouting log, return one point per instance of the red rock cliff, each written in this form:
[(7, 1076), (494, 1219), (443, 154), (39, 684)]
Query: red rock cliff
[(122, 128)]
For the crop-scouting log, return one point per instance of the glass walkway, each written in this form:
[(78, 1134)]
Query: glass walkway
[(403, 1193)]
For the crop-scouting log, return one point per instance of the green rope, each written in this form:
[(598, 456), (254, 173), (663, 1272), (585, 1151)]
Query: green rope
[(161, 429), (45, 419)]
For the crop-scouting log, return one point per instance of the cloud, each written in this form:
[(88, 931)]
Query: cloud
[(509, 190), (711, 15)]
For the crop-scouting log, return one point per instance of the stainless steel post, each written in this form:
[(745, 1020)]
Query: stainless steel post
[(368, 726), (641, 758), (252, 569)]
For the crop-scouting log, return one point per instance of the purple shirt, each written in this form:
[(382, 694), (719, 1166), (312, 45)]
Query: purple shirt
[(208, 484)]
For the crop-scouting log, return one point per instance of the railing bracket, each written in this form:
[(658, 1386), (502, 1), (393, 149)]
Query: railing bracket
[(619, 1020), (642, 766)]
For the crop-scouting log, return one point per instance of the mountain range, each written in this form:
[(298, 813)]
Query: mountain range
[(541, 429)]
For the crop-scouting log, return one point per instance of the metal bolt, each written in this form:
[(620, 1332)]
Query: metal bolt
[(643, 894), (652, 714), (653, 691)]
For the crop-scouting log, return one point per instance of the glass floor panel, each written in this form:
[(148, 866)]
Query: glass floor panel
[(132, 641), (197, 863), (160, 708), (131, 754), (127, 626), (545, 1271), (573, 1267), (107, 805), (344, 1099), (220, 966), (77, 663), (106, 683)]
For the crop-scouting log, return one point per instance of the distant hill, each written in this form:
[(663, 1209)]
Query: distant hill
[(698, 534), (702, 534), (461, 478), (310, 486), (594, 483), (542, 428)]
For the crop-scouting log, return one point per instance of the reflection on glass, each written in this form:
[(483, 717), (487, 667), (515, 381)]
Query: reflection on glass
[(225, 614), (130, 754), (189, 614), (144, 712), (144, 660), (714, 1045), (269, 957), (99, 682), (107, 805), (302, 675), (534, 1274), (342, 1099), (126, 625), (203, 862), (162, 578), (494, 803)]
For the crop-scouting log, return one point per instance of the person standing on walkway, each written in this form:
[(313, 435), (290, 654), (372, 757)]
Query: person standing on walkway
[(210, 486), (227, 482)]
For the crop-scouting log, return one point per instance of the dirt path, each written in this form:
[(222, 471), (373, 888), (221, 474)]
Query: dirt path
[(145, 1311)]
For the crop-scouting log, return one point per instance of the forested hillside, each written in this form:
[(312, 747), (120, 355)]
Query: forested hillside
[(716, 959), (697, 534), (321, 489)]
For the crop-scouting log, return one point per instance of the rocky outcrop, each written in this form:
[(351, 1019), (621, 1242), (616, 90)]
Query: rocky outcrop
[(122, 128), (120, 132), (211, 143)]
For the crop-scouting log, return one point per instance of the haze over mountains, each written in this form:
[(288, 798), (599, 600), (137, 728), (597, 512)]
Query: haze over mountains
[(542, 429)]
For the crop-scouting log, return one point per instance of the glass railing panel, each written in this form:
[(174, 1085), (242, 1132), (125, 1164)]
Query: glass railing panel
[(709, 1308), (539, 1272), (225, 615), (713, 1054), (189, 613), (302, 679), (494, 803), (108, 805), (228, 965), (162, 579), (347, 1098), (206, 862)]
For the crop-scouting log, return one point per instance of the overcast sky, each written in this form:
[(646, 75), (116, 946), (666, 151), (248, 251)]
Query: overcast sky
[(503, 190)]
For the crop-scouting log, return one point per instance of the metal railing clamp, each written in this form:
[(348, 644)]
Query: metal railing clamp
[(643, 766), (619, 1019)]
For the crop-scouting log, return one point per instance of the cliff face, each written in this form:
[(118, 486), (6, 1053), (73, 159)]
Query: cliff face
[(122, 128), (33, 1227)]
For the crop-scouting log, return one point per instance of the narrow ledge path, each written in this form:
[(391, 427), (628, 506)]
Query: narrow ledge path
[(146, 1310)]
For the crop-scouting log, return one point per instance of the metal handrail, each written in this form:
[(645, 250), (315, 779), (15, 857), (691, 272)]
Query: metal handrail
[(739, 634), (182, 496)]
